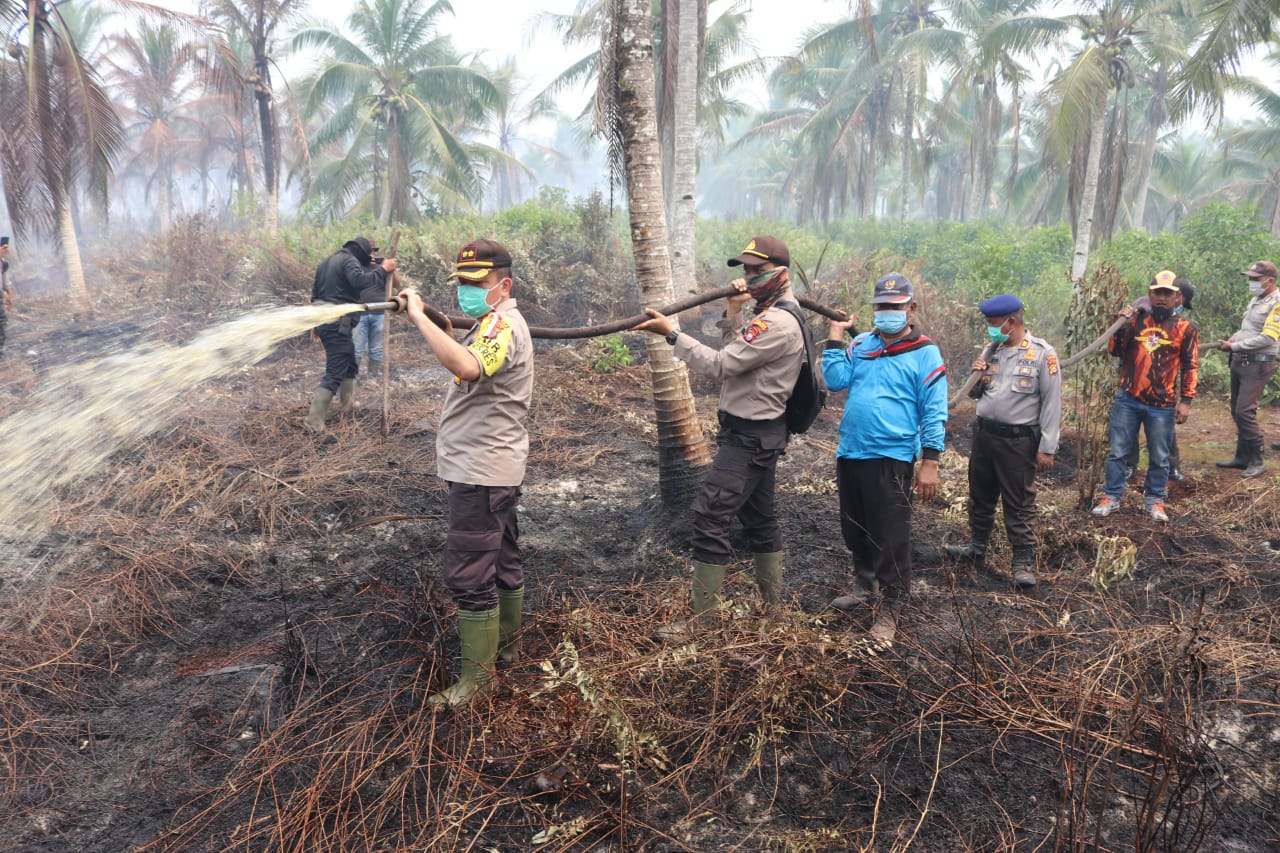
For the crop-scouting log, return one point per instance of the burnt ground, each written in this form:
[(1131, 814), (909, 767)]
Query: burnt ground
[(239, 623)]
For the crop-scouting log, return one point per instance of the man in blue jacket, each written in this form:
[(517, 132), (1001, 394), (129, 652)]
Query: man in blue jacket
[(894, 414)]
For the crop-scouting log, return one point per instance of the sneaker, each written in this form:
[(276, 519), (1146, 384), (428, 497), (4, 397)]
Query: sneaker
[(1105, 507), (1157, 512)]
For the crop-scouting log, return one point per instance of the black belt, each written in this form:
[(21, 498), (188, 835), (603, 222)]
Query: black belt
[(751, 426), (1008, 430), (1246, 357)]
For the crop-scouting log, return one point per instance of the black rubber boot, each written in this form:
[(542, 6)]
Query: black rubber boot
[(1256, 465), (1240, 460), (1023, 568), (972, 554)]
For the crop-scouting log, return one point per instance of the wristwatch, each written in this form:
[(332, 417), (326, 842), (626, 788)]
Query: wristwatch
[(672, 335)]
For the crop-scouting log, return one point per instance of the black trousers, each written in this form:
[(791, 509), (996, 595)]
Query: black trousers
[(1003, 468), (875, 520), (482, 551), (339, 353), (1248, 379), (740, 484)]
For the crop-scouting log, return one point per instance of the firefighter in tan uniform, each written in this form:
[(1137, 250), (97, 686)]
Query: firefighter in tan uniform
[(758, 364), (481, 451), (1015, 435), (1254, 350)]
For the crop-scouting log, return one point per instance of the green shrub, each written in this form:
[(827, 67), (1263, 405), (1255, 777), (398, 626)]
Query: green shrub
[(609, 353)]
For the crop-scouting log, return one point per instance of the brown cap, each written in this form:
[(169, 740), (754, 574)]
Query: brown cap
[(1261, 269), (478, 257), (762, 249), (1164, 280)]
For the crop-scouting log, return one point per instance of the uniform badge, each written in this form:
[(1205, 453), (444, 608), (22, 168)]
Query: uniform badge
[(1052, 362), (757, 328)]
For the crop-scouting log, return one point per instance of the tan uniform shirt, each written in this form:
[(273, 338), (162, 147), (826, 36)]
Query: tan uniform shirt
[(1023, 386), (482, 439), (758, 363), (1260, 327)]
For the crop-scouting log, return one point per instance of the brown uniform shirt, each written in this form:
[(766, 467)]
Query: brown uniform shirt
[(758, 363), (483, 440)]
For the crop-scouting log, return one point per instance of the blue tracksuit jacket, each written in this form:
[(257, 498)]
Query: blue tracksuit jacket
[(897, 399)]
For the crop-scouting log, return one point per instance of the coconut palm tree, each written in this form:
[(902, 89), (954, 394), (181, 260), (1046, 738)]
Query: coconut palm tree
[(160, 103), (627, 116), (1098, 71), (395, 98), (257, 23), (60, 131)]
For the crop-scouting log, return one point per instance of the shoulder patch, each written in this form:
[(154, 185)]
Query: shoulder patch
[(1051, 361), (757, 328)]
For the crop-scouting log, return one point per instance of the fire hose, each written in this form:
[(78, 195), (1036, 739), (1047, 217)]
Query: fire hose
[(578, 332)]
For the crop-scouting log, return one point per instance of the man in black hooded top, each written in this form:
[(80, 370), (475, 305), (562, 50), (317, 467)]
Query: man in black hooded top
[(339, 280)]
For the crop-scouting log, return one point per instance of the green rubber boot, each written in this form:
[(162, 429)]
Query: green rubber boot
[(769, 578), (704, 596), (345, 392), (478, 631), (510, 615), (314, 420), (375, 370)]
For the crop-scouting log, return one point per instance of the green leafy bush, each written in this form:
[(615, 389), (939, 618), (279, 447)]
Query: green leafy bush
[(610, 353)]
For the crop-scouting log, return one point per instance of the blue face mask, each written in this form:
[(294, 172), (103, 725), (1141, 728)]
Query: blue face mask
[(891, 322), (473, 300)]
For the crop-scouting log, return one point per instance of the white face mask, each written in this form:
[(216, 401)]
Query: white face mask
[(1255, 286)]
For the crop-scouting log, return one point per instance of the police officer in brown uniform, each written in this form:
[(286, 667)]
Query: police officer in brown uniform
[(1016, 435), (758, 364), (481, 451), (1253, 361)]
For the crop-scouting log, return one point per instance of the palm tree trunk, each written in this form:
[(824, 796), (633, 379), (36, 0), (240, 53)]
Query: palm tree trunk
[(1142, 184), (682, 449), (83, 310), (266, 120), (1088, 199), (165, 202), (683, 201), (1016, 108)]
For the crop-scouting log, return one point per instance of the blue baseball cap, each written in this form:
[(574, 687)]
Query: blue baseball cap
[(892, 289)]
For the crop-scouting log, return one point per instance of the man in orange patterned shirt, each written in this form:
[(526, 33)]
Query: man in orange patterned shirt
[(1159, 360)]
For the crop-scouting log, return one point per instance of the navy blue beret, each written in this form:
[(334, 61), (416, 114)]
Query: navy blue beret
[(1000, 306)]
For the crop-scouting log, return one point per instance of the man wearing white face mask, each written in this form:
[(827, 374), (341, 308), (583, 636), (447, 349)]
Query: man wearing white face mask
[(1016, 435), (894, 414), (1253, 361), (481, 450)]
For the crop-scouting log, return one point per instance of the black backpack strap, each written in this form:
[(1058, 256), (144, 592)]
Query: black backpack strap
[(804, 332)]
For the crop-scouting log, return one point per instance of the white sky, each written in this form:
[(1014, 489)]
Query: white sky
[(505, 27)]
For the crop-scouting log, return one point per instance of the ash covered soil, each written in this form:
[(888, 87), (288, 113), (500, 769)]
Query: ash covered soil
[(236, 625)]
